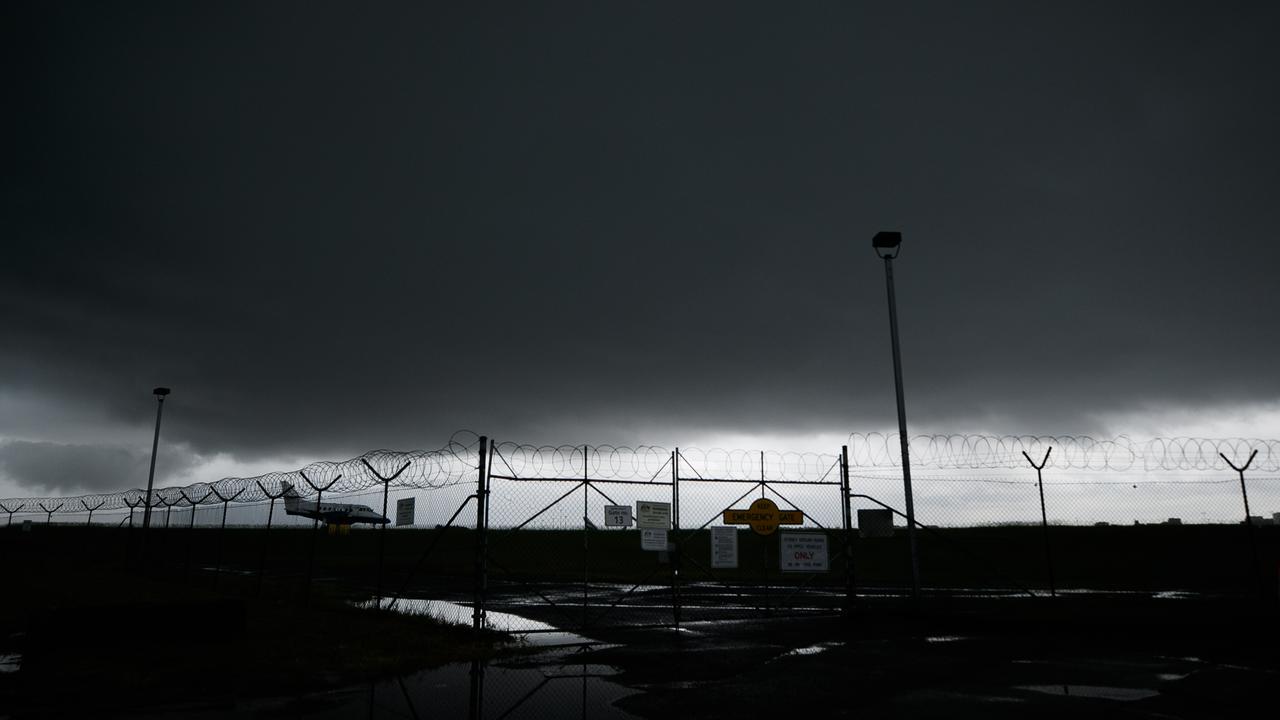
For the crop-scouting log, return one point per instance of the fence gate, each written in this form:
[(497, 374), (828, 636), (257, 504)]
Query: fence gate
[(775, 544), (558, 553)]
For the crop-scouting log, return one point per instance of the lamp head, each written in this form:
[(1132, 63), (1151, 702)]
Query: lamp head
[(887, 243), (161, 392)]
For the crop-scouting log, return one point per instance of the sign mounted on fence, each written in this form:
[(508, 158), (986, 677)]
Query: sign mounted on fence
[(875, 523), (803, 552), (724, 547), (404, 511), (617, 516), (654, 515), (651, 539), (763, 516)]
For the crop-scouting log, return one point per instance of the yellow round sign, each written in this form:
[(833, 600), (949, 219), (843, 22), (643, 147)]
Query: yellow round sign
[(763, 516)]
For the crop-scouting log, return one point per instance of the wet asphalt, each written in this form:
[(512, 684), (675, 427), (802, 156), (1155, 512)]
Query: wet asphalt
[(1143, 658)]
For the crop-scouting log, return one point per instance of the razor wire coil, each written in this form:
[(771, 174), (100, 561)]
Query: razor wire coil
[(457, 461)]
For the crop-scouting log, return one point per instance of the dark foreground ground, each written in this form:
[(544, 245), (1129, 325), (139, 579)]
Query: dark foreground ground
[(99, 638), (1121, 657), (1008, 658)]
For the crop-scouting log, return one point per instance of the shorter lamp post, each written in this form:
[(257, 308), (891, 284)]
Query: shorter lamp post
[(160, 394)]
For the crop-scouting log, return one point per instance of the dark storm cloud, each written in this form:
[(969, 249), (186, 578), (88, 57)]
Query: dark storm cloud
[(331, 228), (63, 468)]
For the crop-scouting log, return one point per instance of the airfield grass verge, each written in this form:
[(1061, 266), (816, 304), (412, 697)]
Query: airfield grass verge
[(98, 634)]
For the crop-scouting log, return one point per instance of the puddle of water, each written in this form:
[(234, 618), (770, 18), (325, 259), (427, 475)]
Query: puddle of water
[(571, 670), (1171, 677), (810, 650), (1103, 692), (10, 662), (532, 632), (944, 638)]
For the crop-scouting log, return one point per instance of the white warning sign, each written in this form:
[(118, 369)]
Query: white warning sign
[(655, 515), (651, 539), (803, 552), (724, 547), (617, 516), (404, 511)]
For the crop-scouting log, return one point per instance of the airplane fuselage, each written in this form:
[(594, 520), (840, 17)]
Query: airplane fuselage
[(331, 513)]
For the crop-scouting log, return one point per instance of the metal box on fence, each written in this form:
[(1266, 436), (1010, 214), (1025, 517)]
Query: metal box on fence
[(875, 523)]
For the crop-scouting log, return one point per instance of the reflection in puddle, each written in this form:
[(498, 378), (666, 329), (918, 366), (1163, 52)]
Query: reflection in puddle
[(10, 662), (943, 638), (810, 650), (1103, 692), (531, 632), (475, 691), (496, 691)]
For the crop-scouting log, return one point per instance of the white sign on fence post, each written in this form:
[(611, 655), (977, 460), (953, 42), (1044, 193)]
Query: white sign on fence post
[(404, 511), (655, 515), (651, 539), (724, 547), (617, 516), (803, 552)]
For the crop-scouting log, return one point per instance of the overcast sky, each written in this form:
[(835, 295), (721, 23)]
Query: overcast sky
[(332, 227)]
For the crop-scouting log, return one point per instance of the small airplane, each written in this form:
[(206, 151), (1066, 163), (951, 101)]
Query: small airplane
[(330, 513)]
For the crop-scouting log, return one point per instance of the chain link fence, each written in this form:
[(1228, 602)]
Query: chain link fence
[(524, 533)]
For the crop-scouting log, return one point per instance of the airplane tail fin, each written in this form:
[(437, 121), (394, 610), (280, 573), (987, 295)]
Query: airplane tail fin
[(291, 497)]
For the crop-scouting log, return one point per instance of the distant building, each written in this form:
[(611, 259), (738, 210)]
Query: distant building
[(1102, 524), (1173, 521)]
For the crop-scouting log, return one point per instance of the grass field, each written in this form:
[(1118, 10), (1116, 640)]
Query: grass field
[(1197, 558)]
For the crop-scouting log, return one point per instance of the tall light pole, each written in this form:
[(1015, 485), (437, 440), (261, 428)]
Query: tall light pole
[(160, 393), (887, 245)]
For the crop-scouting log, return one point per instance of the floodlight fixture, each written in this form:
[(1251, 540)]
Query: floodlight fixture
[(887, 243)]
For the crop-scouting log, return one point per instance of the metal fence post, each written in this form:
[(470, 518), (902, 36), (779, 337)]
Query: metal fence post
[(382, 530), (89, 522), (49, 517), (765, 541), (11, 512), (217, 566), (128, 536), (315, 526), (132, 508), (1044, 518), (262, 559), (586, 557), (675, 555), (482, 494), (191, 526), (1255, 571), (847, 516), (475, 699), (168, 512)]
